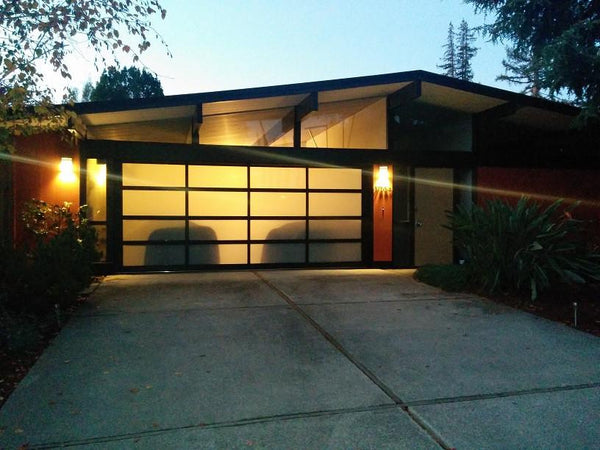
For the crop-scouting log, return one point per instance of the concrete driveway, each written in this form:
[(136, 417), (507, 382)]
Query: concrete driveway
[(305, 359)]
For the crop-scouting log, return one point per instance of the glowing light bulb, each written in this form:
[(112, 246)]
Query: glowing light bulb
[(383, 179), (66, 172)]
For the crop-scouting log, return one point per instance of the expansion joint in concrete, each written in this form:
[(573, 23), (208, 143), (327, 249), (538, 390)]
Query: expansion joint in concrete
[(360, 366), (494, 395)]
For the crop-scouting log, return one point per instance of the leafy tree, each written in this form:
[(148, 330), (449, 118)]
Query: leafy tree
[(128, 82), (37, 32), (449, 59), (465, 51), (561, 37)]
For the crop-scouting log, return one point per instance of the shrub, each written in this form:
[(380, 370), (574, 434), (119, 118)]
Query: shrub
[(522, 247), (56, 266), (63, 253), (449, 277)]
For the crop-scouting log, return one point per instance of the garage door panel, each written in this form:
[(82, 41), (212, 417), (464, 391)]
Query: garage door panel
[(334, 252), (218, 254), (326, 178), (153, 230), (335, 204), (335, 229), (276, 253), (223, 230), (153, 203), (155, 175), (277, 229), (218, 176), (277, 204), (218, 203), (153, 255), (277, 177)]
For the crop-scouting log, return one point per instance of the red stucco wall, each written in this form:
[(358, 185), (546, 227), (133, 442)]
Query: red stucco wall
[(35, 174), (545, 185)]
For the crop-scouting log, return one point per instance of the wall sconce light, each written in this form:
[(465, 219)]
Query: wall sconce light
[(100, 175), (383, 182), (66, 172)]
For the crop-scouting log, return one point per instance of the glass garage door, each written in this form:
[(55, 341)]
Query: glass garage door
[(199, 215)]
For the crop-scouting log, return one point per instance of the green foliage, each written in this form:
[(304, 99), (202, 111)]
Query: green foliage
[(128, 82), (458, 52), (48, 31), (86, 92), (45, 220), (449, 277), (523, 247), (560, 39), (524, 69), (465, 52), (64, 252), (56, 267), (449, 59)]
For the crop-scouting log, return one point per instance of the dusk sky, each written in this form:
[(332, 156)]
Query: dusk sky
[(231, 44)]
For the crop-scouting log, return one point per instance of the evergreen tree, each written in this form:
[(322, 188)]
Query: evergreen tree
[(521, 67), (86, 92), (449, 59), (561, 38), (465, 51)]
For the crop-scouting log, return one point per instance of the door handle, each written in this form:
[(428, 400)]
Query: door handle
[(418, 224)]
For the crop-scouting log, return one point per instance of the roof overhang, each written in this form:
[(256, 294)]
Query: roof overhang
[(177, 115)]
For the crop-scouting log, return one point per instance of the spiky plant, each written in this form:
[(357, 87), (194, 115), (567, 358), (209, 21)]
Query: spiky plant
[(522, 247)]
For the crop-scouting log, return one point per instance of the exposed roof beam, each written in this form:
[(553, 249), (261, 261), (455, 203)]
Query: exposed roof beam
[(288, 122), (276, 131), (302, 109), (407, 94), (498, 112), (196, 122), (306, 106)]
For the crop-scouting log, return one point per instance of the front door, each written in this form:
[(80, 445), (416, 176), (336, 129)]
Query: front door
[(434, 195)]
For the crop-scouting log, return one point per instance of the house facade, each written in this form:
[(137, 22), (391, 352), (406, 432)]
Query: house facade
[(351, 172)]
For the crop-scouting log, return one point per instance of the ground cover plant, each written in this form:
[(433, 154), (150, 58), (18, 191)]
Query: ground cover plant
[(449, 277)]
